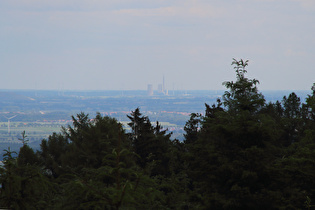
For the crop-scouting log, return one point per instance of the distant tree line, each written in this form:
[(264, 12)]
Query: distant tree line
[(243, 153)]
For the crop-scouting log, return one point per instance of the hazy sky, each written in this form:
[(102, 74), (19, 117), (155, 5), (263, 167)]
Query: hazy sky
[(127, 44)]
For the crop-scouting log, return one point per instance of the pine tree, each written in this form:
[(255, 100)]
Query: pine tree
[(152, 144), (229, 160), (243, 94), (292, 118)]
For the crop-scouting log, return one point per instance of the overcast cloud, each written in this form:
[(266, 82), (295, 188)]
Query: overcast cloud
[(127, 44)]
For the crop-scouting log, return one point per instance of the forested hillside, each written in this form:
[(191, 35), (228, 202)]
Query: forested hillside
[(243, 153)]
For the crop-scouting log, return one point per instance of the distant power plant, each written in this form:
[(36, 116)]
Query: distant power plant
[(161, 89)]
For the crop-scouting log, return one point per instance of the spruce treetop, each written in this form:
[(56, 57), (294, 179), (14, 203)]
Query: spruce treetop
[(243, 93)]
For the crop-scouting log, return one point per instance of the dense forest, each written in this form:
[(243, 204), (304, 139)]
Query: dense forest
[(242, 153)]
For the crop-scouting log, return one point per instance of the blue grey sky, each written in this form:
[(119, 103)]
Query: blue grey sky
[(127, 44)]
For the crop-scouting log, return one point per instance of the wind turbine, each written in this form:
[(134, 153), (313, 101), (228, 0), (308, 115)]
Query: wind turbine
[(9, 118)]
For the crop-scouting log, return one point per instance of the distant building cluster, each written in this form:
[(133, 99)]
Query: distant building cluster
[(161, 90)]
